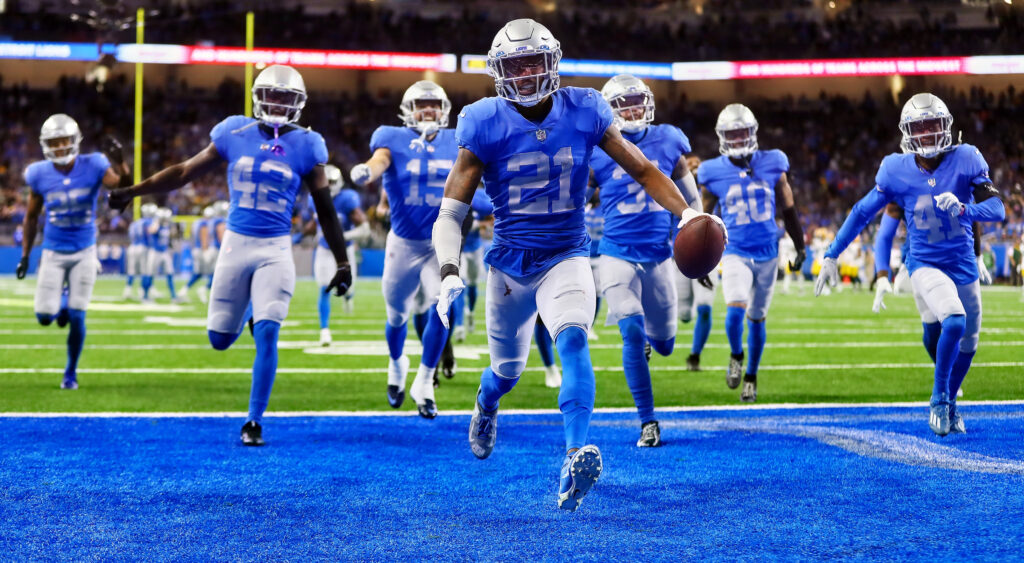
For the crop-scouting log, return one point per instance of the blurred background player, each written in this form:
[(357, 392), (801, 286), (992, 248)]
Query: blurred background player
[(137, 255), (414, 161), (750, 185), (268, 158), (66, 186), (203, 257), (944, 188), (161, 256), (636, 267), (531, 146), (695, 296)]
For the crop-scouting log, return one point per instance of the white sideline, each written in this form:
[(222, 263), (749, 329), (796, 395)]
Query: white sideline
[(412, 413)]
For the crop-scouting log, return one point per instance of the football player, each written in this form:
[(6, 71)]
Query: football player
[(160, 257), (593, 218), (751, 186), (414, 160), (268, 157), (202, 252), (943, 188), (531, 145), (137, 256), (636, 267), (66, 186)]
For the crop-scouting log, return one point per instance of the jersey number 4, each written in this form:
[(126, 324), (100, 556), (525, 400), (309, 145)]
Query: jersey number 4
[(926, 219), (519, 186), (744, 207), (274, 177)]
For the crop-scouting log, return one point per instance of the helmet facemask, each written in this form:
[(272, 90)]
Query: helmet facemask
[(426, 115), (737, 142), (61, 150), (633, 112), (927, 137), (277, 106), (526, 79)]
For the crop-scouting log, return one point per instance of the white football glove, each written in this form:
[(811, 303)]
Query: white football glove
[(360, 174), (689, 215), (451, 288), (829, 274), (950, 204), (984, 276), (882, 286)]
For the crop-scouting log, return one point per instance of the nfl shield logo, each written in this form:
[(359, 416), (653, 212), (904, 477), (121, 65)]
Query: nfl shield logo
[(931, 182), (542, 135)]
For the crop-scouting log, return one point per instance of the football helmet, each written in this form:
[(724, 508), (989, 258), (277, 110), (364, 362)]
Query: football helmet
[(926, 125), (414, 116), (631, 100), (221, 207), (737, 131), (523, 59), (278, 95), (164, 215), (334, 180), (60, 138), (149, 209), (209, 212)]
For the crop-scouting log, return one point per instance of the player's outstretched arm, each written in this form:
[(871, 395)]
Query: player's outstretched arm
[(170, 178), (655, 183), (862, 214), (366, 172), (687, 185), (462, 181), (316, 182), (28, 232), (784, 197)]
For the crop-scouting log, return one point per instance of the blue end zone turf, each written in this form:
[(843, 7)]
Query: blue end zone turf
[(814, 483)]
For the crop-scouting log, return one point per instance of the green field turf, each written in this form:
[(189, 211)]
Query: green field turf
[(136, 359)]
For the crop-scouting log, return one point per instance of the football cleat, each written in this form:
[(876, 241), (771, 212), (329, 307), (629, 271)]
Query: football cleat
[(580, 471), (459, 333), (483, 430), (732, 377), (956, 422), (650, 435), (552, 377), (448, 363), (693, 363), (397, 370), (325, 337), (749, 393), (648, 351), (69, 383), (422, 391), (252, 434), (938, 416)]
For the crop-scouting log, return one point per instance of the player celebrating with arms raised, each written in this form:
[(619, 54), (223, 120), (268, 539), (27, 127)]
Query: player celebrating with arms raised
[(268, 157), (532, 146), (750, 184), (942, 189)]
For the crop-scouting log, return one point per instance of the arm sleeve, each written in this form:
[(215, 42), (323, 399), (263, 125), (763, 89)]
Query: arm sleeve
[(862, 214), (976, 228), (793, 227), (379, 139), (30, 179), (688, 188), (883, 242), (447, 233), (990, 210)]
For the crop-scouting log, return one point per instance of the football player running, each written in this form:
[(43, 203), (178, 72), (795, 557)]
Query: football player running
[(160, 257), (66, 186), (942, 188), (268, 158), (531, 145), (137, 255), (636, 267), (751, 186), (414, 160)]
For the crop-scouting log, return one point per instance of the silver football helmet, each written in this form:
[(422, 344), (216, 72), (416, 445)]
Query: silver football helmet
[(523, 60), (926, 125), (334, 180), (221, 207), (209, 212), (631, 100), (60, 138), (149, 210), (431, 95), (278, 95), (737, 131), (164, 215)]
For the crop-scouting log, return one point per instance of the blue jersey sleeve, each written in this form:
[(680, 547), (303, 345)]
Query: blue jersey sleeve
[(470, 132), (221, 131), (481, 204), (599, 117), (778, 162), (381, 138), (348, 201), (32, 177), (100, 165), (862, 214), (706, 176), (883, 242), (978, 167), (680, 140), (317, 152), (883, 179)]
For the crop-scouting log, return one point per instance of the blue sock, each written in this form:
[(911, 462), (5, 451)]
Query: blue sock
[(221, 340), (435, 335), (247, 314), (492, 388), (147, 282), (734, 328), (324, 305), (959, 372), (945, 354), (395, 335), (471, 297), (44, 319), (191, 281), (129, 281), (544, 342), (459, 310), (701, 329), (209, 282), (576, 399), (634, 364), (170, 286), (597, 307), (264, 368), (76, 339), (419, 322), (663, 347), (931, 337), (757, 333)]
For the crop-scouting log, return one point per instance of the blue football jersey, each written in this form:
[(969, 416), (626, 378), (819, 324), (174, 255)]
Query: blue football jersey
[(481, 208), (415, 180), (594, 220), (161, 239), (936, 239), (198, 227), (214, 224), (636, 228), (264, 182), (536, 175), (69, 200), (137, 232), (746, 198), (345, 202)]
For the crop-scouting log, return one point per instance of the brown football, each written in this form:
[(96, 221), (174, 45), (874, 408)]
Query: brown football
[(698, 247)]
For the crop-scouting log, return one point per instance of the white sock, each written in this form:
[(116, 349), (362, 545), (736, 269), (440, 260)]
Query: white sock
[(423, 386), (397, 370)]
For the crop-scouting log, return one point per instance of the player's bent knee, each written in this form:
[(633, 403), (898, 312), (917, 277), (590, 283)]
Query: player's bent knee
[(221, 340), (510, 370), (757, 320), (663, 347), (571, 340), (44, 319), (955, 323), (737, 304), (632, 329)]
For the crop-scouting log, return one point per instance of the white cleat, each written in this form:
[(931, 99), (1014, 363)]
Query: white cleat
[(459, 333), (325, 337), (552, 377), (422, 391), (202, 294), (397, 371)]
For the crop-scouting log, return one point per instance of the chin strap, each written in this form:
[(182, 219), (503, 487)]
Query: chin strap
[(420, 144)]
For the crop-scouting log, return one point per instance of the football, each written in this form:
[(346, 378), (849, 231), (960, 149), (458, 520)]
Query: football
[(698, 247)]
